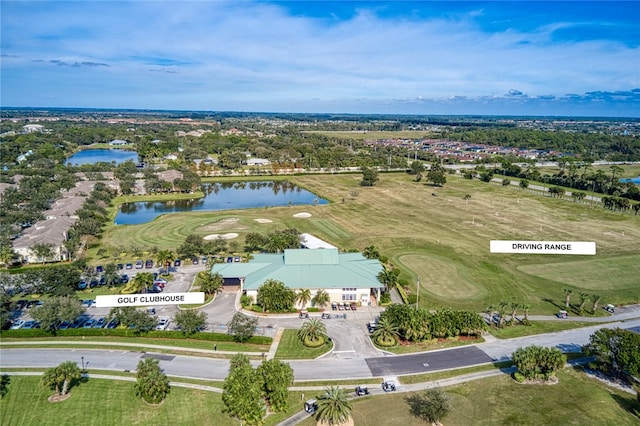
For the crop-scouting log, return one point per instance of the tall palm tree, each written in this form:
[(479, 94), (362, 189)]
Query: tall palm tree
[(514, 309), (321, 298), (371, 252), (141, 282), (389, 278), (526, 308), (567, 296), (313, 330), (164, 257), (61, 377), (584, 298), (303, 297), (502, 310), (333, 407), (596, 300)]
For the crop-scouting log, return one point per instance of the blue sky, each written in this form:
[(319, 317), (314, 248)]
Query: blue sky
[(516, 58)]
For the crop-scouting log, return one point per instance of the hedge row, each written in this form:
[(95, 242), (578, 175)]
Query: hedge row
[(125, 332)]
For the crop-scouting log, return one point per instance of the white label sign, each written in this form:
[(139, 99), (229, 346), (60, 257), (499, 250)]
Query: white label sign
[(112, 301), (543, 247)]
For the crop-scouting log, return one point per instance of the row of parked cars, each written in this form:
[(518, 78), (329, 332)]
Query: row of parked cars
[(344, 306)]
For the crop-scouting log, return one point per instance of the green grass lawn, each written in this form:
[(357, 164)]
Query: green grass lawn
[(179, 344), (112, 402), (576, 400), (444, 240), (290, 347), (431, 345), (536, 327)]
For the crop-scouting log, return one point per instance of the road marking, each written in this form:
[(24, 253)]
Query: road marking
[(342, 352)]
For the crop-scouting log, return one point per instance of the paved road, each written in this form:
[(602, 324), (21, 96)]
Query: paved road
[(322, 369)]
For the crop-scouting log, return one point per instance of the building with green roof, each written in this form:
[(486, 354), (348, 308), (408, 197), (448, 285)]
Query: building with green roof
[(346, 277)]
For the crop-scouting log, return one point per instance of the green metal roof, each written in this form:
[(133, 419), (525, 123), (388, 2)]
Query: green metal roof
[(303, 268)]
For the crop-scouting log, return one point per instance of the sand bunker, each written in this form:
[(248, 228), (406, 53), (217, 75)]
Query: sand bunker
[(303, 214), (227, 236), (263, 220)]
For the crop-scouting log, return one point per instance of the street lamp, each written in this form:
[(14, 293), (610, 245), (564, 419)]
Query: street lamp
[(82, 358)]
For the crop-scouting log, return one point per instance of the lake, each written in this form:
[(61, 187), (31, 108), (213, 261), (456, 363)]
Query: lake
[(222, 196), (93, 156), (634, 180)]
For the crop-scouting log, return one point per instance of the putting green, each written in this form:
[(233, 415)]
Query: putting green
[(441, 277)]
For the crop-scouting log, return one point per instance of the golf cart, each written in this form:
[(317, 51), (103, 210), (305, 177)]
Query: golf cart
[(389, 386), (304, 314), (562, 314), (362, 391), (311, 406), (610, 308)]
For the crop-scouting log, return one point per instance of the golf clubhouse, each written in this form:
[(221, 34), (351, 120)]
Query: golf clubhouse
[(346, 277)]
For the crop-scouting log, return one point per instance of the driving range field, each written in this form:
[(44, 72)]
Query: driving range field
[(434, 234)]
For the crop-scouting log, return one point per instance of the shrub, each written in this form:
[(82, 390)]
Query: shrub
[(245, 301), (313, 309), (314, 343), (385, 343), (518, 377), (256, 308)]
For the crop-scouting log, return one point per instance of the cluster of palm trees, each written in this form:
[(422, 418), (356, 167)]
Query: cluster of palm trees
[(503, 308), (321, 298), (584, 299)]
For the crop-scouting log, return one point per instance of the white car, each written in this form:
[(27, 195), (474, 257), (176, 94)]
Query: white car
[(163, 324)]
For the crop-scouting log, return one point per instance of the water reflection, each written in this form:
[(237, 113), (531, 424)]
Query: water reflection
[(222, 196)]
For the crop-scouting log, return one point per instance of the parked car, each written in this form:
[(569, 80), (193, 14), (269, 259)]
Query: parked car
[(120, 266), (100, 322), (21, 304), (341, 306), (28, 325), (163, 324), (17, 324), (138, 264), (177, 262), (113, 323), (64, 325), (99, 269), (129, 266), (354, 306), (389, 386), (33, 303), (362, 390), (195, 261), (94, 283), (326, 315), (89, 323), (86, 303), (82, 285), (334, 306), (148, 264), (371, 326), (236, 259), (124, 278)]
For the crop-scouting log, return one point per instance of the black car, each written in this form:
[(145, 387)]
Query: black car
[(124, 278), (21, 304), (120, 266), (148, 264), (326, 315), (99, 269), (177, 262)]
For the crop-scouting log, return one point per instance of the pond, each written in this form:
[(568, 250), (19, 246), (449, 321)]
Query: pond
[(635, 180), (222, 196), (93, 156)]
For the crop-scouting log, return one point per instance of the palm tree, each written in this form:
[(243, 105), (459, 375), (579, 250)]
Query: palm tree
[(333, 407), (371, 252), (567, 297), (386, 332), (303, 297), (321, 298), (491, 309), (514, 309), (502, 310), (526, 308), (210, 283), (389, 278), (62, 375), (141, 282), (313, 330), (596, 300), (467, 197), (164, 257), (584, 298)]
